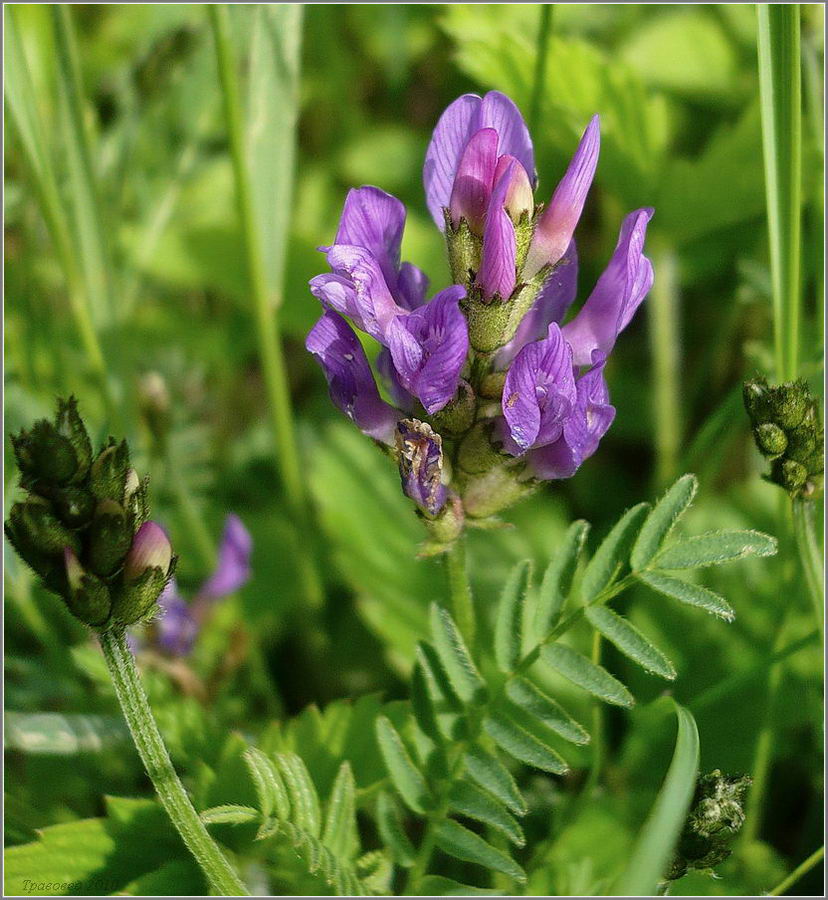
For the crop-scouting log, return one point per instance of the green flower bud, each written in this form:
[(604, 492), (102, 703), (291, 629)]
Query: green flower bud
[(73, 505), (757, 401), (87, 596), (35, 527), (770, 439), (801, 443), (136, 498), (789, 474), (70, 425), (491, 385), (464, 249), (476, 453), (457, 416), (445, 528), (108, 475), (46, 566), (43, 453), (790, 403), (147, 568), (110, 537), (491, 492)]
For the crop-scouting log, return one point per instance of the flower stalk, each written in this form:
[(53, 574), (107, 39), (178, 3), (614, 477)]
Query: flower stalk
[(153, 752)]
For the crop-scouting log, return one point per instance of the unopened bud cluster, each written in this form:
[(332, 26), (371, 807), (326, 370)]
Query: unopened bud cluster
[(788, 432), (716, 816), (83, 527)]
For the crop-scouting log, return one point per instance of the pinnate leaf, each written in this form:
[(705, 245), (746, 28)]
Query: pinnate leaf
[(458, 841), (509, 621), (586, 674), (405, 776), (661, 520), (630, 641), (714, 548), (691, 594)]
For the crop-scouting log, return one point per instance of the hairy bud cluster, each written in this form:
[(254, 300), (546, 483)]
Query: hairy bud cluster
[(716, 816), (83, 527), (788, 432)]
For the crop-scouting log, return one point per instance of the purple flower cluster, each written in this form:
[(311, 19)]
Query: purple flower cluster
[(501, 323)]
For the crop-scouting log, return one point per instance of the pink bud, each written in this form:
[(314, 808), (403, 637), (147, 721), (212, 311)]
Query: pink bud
[(556, 226), (473, 181), (520, 198), (150, 549)]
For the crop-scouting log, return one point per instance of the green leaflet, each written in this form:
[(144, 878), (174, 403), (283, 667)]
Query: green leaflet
[(270, 789), (340, 834), (691, 594), (229, 814), (404, 774), (557, 580), (630, 641), (303, 797), (519, 743), (658, 837), (715, 547), (433, 701), (661, 520), (461, 671), (534, 702), (508, 642), (458, 841), (391, 831), (475, 803), (585, 674), (612, 553), (490, 773)]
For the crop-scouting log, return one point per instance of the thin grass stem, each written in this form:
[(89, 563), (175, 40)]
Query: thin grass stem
[(802, 869)]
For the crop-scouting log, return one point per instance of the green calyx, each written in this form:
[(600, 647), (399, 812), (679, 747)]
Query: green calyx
[(78, 521), (787, 431)]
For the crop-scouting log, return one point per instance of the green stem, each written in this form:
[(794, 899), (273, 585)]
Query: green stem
[(541, 57), (780, 71), (421, 861), (809, 555), (597, 737), (462, 604), (802, 869), (663, 312), (153, 752), (267, 323)]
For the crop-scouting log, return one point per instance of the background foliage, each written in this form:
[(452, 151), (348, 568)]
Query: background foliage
[(128, 128)]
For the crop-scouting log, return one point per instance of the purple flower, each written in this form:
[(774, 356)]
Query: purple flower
[(460, 122), (350, 379), (497, 265), (177, 628), (617, 295), (233, 567), (421, 465), (554, 229), (429, 347)]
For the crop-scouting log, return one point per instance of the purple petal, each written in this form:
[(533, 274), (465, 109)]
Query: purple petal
[(497, 265), (429, 348), (461, 119), (583, 429), (551, 304), (421, 464), (618, 293), (374, 220), (556, 225), (539, 392), (385, 366), (233, 567), (371, 306), (474, 179), (520, 198), (412, 284), (350, 379)]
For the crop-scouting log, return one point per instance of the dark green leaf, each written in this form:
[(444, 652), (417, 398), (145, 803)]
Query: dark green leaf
[(490, 773), (458, 841), (515, 740), (534, 702), (404, 774), (509, 622), (392, 832), (461, 671), (475, 803)]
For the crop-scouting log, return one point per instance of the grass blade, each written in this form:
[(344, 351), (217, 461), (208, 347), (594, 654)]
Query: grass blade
[(657, 839)]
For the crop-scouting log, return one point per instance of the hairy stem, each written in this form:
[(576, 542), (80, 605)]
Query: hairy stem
[(153, 752), (462, 604), (267, 322)]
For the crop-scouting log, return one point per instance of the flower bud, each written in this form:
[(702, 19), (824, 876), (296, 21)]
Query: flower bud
[(151, 549), (789, 474), (87, 596), (790, 403), (108, 475), (147, 569), (756, 396), (43, 453), (36, 527), (110, 536), (491, 492), (154, 403), (420, 451), (464, 251), (70, 425), (74, 505), (770, 439), (801, 443)]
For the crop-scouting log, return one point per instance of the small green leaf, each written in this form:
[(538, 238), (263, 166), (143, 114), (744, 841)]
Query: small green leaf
[(464, 677), (433, 702), (422, 705), (630, 641), (661, 520), (515, 740), (534, 702), (303, 797), (475, 803), (458, 841), (508, 641), (715, 547), (490, 773), (229, 813), (340, 834), (392, 832), (557, 580), (404, 774), (657, 839), (270, 789), (612, 554), (691, 594), (585, 674), (438, 886)]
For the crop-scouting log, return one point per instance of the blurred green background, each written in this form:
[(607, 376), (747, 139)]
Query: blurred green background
[(130, 123)]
